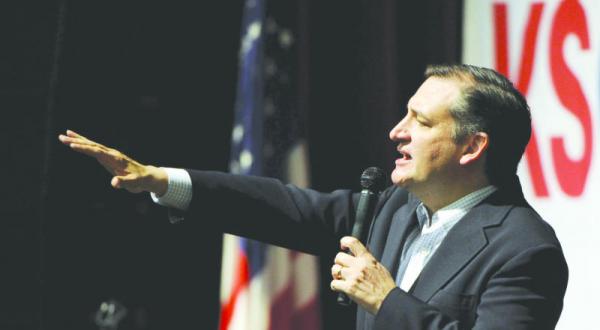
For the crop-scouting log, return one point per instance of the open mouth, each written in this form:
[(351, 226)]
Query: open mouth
[(404, 155)]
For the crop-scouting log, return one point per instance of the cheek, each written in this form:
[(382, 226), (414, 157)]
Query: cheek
[(431, 152), (435, 153), (439, 154)]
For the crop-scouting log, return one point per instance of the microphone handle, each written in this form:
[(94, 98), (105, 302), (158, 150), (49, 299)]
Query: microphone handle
[(364, 215)]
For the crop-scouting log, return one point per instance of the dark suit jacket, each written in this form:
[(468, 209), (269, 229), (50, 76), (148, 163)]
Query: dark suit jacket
[(500, 267)]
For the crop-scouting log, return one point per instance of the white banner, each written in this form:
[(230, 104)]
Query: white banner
[(549, 50)]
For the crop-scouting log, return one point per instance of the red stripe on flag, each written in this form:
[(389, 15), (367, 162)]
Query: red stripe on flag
[(308, 316), (285, 315), (240, 281), (294, 255), (282, 308)]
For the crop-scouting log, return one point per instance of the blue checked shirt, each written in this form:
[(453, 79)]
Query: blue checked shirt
[(422, 242)]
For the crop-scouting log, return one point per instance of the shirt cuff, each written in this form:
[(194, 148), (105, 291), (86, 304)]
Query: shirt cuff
[(179, 190)]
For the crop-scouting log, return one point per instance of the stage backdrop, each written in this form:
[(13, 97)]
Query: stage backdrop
[(549, 50)]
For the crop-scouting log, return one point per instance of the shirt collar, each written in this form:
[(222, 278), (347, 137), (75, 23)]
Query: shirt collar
[(454, 211)]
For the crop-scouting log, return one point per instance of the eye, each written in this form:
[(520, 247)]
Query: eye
[(423, 123)]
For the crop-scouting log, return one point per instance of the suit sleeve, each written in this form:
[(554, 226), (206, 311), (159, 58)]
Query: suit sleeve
[(267, 210), (525, 293)]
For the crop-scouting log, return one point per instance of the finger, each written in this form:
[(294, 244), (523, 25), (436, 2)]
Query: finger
[(75, 134), (339, 286), (336, 272), (87, 149), (78, 140), (354, 245), (80, 137), (343, 259), (68, 140)]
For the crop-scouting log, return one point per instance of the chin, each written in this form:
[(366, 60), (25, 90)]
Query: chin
[(400, 180)]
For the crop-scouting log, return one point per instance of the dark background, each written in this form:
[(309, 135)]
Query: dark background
[(157, 79)]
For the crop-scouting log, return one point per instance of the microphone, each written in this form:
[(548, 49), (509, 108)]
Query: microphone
[(371, 181)]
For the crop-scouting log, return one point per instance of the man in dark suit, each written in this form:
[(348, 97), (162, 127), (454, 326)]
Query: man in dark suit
[(454, 244)]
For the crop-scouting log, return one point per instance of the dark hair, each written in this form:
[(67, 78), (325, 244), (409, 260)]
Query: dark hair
[(489, 103)]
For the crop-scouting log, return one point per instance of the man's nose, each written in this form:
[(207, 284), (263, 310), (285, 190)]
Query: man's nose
[(399, 132)]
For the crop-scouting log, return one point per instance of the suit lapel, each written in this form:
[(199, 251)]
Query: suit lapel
[(402, 221), (463, 242), (389, 231)]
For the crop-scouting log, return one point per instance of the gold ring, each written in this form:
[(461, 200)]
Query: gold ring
[(338, 275)]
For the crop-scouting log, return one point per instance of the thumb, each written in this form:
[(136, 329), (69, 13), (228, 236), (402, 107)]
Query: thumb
[(115, 182), (354, 245), (125, 181)]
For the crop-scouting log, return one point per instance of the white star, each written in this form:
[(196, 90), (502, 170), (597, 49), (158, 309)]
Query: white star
[(250, 37), (286, 38), (237, 133), (234, 167), (245, 160)]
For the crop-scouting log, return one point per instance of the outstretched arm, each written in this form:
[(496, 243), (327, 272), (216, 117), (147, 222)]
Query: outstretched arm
[(127, 173)]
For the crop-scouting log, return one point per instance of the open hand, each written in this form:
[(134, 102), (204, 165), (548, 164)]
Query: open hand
[(127, 172), (361, 276)]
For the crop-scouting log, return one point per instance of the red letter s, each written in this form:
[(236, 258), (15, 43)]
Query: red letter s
[(570, 19)]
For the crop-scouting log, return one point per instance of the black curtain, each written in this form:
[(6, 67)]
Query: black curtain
[(157, 80)]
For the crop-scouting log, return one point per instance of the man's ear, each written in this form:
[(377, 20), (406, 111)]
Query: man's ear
[(474, 148)]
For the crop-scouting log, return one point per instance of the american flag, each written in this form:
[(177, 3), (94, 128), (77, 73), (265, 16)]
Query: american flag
[(263, 286)]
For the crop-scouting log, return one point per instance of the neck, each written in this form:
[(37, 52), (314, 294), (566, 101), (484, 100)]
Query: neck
[(445, 193)]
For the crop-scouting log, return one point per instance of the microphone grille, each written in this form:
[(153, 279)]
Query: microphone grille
[(372, 179)]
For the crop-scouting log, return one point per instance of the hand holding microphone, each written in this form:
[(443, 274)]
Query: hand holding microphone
[(371, 181)]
